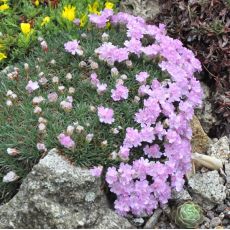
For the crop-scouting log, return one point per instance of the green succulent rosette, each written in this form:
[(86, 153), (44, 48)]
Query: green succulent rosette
[(188, 215)]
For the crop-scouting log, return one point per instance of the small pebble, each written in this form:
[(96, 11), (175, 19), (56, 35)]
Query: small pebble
[(220, 208), (210, 214), (216, 221)]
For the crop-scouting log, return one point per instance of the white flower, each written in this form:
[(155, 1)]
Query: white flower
[(9, 93), (104, 143), (114, 72), (41, 147), (26, 67), (105, 37), (42, 120), (9, 103), (136, 99), (61, 88), (79, 128), (41, 74), (42, 127), (68, 76), (38, 100), (55, 79), (129, 63), (94, 65), (12, 151), (10, 177), (82, 64), (113, 155), (89, 137), (37, 110), (53, 62), (93, 108), (124, 77), (70, 130), (71, 90), (115, 131)]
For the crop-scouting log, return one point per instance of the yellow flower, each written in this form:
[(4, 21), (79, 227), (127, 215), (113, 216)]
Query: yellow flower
[(36, 3), (93, 8), (45, 20), (83, 20), (25, 28), (4, 1), (4, 7), (2, 56), (69, 12), (109, 5)]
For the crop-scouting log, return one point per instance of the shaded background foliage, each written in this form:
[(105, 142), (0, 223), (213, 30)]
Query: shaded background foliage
[(204, 27)]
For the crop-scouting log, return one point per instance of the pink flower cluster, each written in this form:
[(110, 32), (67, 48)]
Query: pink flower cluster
[(66, 141), (164, 119), (101, 88), (121, 92), (73, 47), (105, 115)]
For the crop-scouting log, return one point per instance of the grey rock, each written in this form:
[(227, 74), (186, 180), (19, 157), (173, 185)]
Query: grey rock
[(152, 221), (220, 208), (216, 221), (204, 113), (207, 189), (138, 222), (210, 214), (55, 194), (147, 9), (181, 196), (220, 149)]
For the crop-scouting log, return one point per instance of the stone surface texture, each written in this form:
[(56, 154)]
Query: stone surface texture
[(220, 149), (208, 189), (204, 114), (200, 140), (147, 9), (57, 194)]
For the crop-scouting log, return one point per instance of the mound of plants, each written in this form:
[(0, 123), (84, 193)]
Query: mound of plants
[(23, 21), (116, 97), (204, 27)]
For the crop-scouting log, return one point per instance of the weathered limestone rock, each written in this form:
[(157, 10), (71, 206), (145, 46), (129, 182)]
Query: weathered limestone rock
[(181, 196), (208, 188), (58, 195), (220, 149), (204, 114), (147, 9), (200, 140)]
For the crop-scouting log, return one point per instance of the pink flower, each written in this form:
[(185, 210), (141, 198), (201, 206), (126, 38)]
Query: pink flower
[(96, 171), (73, 47), (41, 147), (94, 80), (52, 97), (66, 141), (132, 138), (142, 77), (101, 88), (32, 86), (124, 153), (105, 115), (120, 92), (153, 151)]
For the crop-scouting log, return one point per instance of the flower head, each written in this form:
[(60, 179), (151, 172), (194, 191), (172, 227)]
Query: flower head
[(105, 115), (45, 21), (69, 12), (32, 86), (2, 56), (66, 141), (96, 171), (73, 47), (25, 28), (4, 7)]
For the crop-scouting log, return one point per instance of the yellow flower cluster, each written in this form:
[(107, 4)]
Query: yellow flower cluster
[(2, 56), (45, 21), (69, 12), (25, 28), (4, 6)]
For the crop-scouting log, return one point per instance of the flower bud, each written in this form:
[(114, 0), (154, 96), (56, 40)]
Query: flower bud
[(70, 130)]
